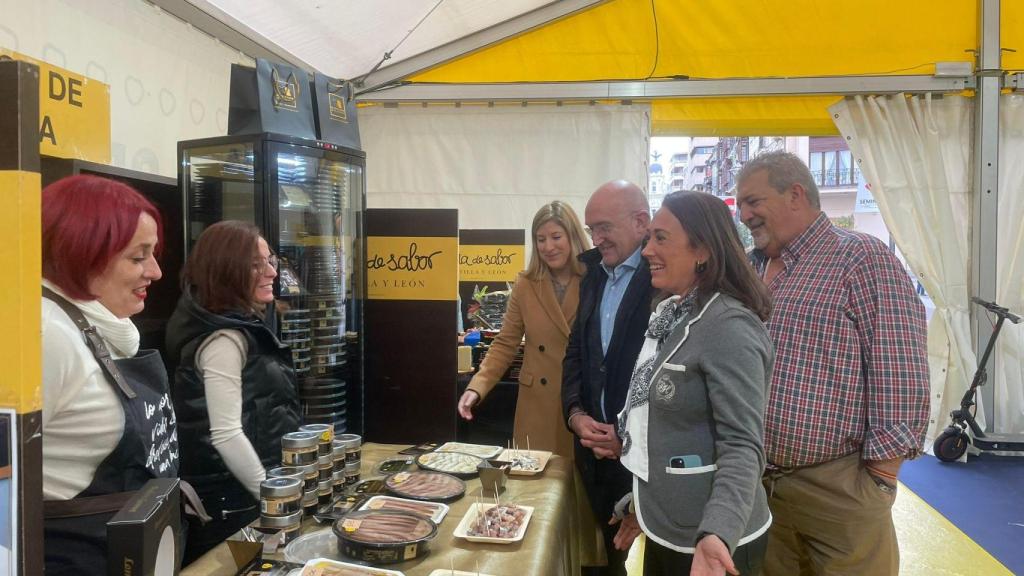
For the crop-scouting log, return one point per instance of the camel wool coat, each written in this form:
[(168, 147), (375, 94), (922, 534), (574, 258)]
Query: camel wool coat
[(534, 310)]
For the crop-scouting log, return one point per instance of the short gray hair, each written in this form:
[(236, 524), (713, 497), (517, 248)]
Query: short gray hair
[(784, 170)]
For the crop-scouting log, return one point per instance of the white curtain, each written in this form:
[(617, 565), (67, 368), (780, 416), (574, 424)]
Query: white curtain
[(1008, 411), (915, 153), (499, 165)]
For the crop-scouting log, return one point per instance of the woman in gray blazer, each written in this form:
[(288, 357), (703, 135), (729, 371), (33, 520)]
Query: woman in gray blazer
[(693, 425)]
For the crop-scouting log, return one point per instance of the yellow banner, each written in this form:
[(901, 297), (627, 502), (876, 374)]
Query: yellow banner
[(411, 268), (20, 252), (74, 113), (490, 262)]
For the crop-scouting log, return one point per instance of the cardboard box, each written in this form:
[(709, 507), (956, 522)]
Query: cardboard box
[(144, 537)]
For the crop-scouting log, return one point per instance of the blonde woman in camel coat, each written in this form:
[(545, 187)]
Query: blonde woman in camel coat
[(542, 307)]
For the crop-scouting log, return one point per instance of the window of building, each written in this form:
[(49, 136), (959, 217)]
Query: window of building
[(832, 168)]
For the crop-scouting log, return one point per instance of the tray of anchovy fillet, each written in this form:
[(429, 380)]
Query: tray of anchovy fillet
[(525, 462)]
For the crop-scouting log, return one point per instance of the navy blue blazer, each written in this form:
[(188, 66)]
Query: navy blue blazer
[(587, 371)]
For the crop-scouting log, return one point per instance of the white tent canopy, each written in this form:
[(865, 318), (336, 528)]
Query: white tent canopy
[(346, 39)]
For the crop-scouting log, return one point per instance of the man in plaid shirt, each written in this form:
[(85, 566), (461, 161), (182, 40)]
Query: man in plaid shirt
[(849, 391)]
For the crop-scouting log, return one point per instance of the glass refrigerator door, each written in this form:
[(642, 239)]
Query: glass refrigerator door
[(220, 185), (315, 299)]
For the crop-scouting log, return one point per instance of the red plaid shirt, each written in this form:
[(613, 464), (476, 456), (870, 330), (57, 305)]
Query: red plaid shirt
[(851, 371)]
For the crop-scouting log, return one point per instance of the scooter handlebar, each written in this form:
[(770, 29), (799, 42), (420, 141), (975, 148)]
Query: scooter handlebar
[(997, 309)]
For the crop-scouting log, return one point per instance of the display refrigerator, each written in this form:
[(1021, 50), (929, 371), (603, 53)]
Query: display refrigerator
[(307, 198)]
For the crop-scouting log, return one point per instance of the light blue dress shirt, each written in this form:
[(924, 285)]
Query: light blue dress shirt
[(614, 289)]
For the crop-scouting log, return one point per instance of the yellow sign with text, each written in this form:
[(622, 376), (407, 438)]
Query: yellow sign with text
[(20, 299), (74, 113), (490, 262), (412, 268)]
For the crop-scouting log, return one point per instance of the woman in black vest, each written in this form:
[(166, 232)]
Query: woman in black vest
[(234, 386), (108, 426)]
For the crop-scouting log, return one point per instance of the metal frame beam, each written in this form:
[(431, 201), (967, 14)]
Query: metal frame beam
[(984, 214), (658, 89), (475, 41), (222, 26)]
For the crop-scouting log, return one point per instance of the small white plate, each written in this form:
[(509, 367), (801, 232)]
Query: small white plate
[(542, 457), (481, 450), (447, 572), (477, 509), (377, 503), (312, 566)]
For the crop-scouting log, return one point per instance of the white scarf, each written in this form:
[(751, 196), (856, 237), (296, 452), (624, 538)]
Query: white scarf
[(120, 334), (635, 416), (633, 420)]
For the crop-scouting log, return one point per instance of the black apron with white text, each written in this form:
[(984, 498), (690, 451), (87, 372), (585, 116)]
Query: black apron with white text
[(75, 537)]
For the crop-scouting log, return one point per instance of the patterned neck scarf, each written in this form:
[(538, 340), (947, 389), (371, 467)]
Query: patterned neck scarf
[(658, 330)]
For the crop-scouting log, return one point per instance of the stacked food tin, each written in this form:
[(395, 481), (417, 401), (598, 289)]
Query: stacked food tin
[(492, 308), (300, 450), (325, 461), (338, 471), (353, 455), (295, 333), (314, 311), (281, 506)]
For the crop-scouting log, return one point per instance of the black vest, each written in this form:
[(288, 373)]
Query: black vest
[(270, 404)]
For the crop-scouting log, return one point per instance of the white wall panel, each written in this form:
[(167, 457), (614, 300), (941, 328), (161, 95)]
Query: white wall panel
[(168, 81)]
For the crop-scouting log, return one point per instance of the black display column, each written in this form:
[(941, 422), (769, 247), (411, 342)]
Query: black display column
[(21, 445), (410, 355)]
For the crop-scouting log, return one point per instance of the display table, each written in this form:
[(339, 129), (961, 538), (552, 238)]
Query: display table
[(543, 550)]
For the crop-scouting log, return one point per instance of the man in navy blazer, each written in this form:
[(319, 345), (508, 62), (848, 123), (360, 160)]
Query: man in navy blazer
[(615, 305)]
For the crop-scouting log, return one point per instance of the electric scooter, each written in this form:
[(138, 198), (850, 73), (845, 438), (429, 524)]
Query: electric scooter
[(953, 442)]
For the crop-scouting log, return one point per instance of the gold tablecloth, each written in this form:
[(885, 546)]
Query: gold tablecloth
[(544, 550)]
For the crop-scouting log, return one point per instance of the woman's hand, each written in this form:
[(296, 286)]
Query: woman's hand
[(629, 529), (712, 558), (466, 403)]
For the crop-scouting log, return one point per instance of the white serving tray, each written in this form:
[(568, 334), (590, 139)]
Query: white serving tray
[(440, 510), (462, 530), (431, 461), (481, 450), (542, 457), (311, 568)]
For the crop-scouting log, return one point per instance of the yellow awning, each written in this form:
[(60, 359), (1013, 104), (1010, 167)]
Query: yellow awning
[(717, 39), (753, 116)]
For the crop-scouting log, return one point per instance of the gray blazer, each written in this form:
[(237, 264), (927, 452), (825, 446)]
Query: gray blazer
[(707, 401)]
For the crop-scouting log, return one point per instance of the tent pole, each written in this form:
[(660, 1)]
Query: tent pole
[(984, 219), (658, 89)]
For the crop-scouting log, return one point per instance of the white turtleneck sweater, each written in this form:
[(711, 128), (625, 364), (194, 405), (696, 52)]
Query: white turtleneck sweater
[(82, 416)]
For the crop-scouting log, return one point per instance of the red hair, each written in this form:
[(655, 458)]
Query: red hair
[(86, 222)]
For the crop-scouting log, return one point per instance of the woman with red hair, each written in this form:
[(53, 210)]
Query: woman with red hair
[(108, 424)]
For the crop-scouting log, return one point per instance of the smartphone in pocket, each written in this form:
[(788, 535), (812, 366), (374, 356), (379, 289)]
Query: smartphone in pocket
[(685, 461)]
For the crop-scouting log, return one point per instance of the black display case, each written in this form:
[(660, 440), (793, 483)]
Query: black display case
[(307, 197)]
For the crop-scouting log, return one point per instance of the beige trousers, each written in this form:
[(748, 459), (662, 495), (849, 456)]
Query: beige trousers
[(830, 519)]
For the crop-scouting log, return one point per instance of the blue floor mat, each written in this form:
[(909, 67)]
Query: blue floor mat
[(983, 498)]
